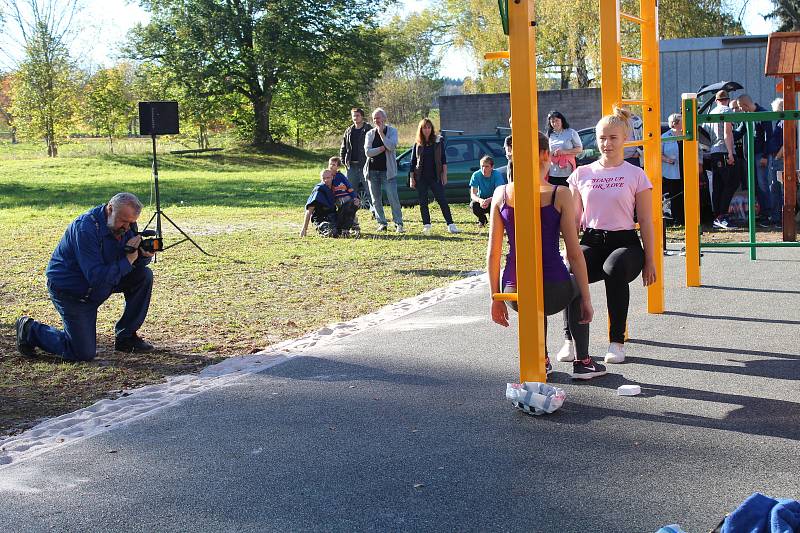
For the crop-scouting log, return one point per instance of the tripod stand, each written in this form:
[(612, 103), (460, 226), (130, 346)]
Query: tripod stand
[(159, 212)]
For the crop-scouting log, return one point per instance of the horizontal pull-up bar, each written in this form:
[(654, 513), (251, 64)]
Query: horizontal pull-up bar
[(632, 18), (504, 296), (632, 60), (503, 54), (748, 117)]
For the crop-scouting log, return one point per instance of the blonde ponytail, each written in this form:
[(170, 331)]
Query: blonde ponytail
[(619, 117)]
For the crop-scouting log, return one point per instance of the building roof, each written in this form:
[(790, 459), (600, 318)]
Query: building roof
[(783, 54)]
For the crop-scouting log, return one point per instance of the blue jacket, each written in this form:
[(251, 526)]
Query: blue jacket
[(321, 195), (776, 141), (89, 261), (762, 135)]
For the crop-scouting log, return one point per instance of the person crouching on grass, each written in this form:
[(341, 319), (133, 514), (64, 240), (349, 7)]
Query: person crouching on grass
[(481, 189), (347, 200), (321, 206), (98, 255)]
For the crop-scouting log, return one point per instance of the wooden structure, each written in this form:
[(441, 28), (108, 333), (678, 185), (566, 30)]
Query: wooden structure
[(783, 61)]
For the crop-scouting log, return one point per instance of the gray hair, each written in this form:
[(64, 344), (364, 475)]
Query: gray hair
[(126, 198), (777, 104), (381, 111), (674, 119)]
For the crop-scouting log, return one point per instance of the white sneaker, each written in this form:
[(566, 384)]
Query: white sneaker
[(381, 227), (616, 353), (452, 228), (399, 228), (426, 229), (567, 352)]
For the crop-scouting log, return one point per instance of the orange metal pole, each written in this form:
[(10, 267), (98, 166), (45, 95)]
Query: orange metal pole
[(522, 51)]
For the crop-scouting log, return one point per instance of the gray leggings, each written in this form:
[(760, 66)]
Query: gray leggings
[(558, 296)]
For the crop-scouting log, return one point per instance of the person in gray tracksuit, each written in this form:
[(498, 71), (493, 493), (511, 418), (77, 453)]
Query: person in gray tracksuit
[(380, 147)]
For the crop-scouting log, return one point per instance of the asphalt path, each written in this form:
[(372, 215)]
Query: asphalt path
[(404, 427)]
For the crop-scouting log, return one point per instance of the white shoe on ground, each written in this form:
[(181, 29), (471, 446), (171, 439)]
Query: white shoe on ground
[(399, 228), (567, 352), (381, 227), (426, 229), (452, 228), (616, 353)]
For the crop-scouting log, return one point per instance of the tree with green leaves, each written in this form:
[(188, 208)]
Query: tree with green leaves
[(108, 101), (253, 48), (410, 81), (568, 35), (45, 85), (786, 15)]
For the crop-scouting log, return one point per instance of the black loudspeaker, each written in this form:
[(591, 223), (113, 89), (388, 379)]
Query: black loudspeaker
[(158, 118)]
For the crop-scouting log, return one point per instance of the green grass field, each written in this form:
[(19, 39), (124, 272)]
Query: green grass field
[(265, 285)]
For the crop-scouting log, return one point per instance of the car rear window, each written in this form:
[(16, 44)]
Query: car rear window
[(461, 150), (495, 147)]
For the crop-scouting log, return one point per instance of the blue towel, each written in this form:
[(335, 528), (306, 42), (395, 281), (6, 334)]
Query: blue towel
[(762, 514)]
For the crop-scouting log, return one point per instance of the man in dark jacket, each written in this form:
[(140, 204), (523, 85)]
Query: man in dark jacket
[(98, 255), (352, 150), (763, 134)]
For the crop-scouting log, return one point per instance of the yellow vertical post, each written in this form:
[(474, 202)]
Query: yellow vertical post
[(691, 190), (610, 55), (522, 51), (651, 94)]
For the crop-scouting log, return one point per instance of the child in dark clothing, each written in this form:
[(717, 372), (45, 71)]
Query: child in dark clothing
[(331, 205)]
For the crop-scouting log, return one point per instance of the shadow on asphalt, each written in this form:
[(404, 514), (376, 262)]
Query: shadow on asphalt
[(735, 318), (326, 370), (748, 414), (748, 289), (713, 349)]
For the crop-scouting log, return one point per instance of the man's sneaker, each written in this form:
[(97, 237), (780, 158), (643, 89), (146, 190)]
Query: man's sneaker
[(548, 366), (382, 227), (587, 369), (132, 344), (23, 328), (616, 353), (567, 352), (481, 224), (399, 228), (452, 228), (426, 229), (720, 223)]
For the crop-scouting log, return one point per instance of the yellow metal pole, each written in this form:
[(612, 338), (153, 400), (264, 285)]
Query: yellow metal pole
[(522, 50), (610, 55), (691, 190), (651, 94)]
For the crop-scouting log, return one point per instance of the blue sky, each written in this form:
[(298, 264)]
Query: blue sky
[(107, 22)]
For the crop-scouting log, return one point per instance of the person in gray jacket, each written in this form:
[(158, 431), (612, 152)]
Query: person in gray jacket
[(380, 146)]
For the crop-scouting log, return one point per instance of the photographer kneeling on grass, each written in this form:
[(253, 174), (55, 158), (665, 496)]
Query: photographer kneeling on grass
[(98, 255)]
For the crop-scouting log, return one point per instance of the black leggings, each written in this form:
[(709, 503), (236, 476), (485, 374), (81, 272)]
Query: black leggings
[(563, 296), (617, 258)]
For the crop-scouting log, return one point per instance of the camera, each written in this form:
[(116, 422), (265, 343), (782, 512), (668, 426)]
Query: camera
[(150, 242)]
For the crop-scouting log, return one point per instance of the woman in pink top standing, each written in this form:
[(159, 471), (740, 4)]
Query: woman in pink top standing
[(607, 193)]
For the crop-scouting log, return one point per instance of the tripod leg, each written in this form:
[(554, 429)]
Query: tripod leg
[(174, 225)]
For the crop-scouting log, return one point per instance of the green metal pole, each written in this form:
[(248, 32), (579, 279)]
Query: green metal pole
[(751, 187)]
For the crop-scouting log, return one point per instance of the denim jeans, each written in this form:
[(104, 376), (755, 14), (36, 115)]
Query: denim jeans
[(776, 191), (376, 179), (355, 175), (438, 192), (762, 184), (78, 340)]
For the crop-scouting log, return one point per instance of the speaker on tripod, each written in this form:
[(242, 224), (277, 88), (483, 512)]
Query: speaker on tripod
[(161, 118)]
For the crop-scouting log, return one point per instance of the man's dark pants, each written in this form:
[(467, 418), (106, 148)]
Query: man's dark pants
[(724, 185), (78, 340), (481, 212)]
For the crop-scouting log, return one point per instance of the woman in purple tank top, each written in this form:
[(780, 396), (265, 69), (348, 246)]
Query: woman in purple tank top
[(562, 290)]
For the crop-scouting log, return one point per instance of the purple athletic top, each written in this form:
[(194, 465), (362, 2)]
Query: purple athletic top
[(553, 267)]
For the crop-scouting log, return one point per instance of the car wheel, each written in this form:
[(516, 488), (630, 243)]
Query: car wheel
[(365, 198)]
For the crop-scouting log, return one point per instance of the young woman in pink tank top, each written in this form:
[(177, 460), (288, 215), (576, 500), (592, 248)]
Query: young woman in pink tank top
[(607, 195), (562, 290)]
